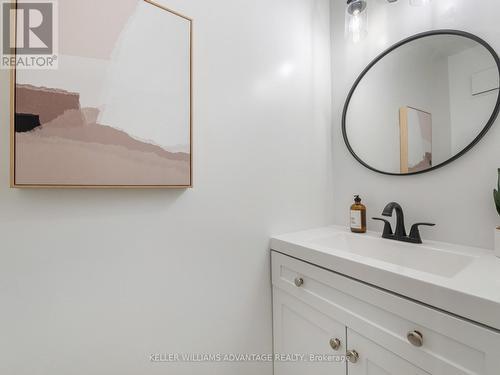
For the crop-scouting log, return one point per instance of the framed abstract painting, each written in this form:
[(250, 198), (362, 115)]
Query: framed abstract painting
[(416, 140), (117, 110)]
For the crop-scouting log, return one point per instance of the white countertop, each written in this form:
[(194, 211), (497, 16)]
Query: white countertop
[(472, 293)]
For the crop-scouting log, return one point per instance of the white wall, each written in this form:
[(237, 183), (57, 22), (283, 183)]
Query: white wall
[(92, 282), (458, 197), (468, 112)]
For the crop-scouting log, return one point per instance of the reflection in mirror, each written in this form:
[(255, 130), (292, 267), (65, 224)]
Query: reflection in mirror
[(423, 103), (415, 140)]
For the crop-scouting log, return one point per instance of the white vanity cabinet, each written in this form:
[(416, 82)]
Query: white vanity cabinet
[(301, 330), (380, 332), (377, 360)]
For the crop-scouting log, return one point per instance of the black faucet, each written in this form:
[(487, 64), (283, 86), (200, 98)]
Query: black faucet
[(400, 218), (400, 233)]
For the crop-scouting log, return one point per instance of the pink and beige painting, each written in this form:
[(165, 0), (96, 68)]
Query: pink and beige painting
[(415, 140), (117, 111), (419, 140)]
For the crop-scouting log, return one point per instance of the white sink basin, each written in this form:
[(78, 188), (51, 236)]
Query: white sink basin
[(417, 257)]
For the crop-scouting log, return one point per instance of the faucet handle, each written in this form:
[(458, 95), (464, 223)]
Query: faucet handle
[(415, 232), (387, 227)]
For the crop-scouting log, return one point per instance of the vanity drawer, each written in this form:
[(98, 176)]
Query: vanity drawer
[(451, 346)]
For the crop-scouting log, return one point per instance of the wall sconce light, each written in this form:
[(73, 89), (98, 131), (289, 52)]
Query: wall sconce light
[(356, 19)]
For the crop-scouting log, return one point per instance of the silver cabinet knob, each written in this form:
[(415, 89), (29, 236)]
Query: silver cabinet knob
[(415, 338), (335, 344), (352, 356), (299, 281)]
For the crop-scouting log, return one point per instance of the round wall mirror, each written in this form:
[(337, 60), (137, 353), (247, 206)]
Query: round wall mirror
[(423, 103)]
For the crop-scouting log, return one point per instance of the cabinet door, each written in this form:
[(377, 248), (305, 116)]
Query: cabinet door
[(304, 339), (375, 360)]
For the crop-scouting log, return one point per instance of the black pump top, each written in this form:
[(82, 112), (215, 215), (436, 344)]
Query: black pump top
[(357, 199)]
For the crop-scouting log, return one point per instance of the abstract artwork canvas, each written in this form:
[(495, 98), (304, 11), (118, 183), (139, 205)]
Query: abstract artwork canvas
[(416, 140), (117, 110)]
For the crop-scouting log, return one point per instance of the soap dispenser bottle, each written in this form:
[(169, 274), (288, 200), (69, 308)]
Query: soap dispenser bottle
[(358, 216)]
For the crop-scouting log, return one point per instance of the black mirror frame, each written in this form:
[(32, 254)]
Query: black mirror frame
[(485, 130)]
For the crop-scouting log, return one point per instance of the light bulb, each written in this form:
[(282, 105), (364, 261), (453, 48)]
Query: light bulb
[(419, 3), (355, 28), (356, 20)]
